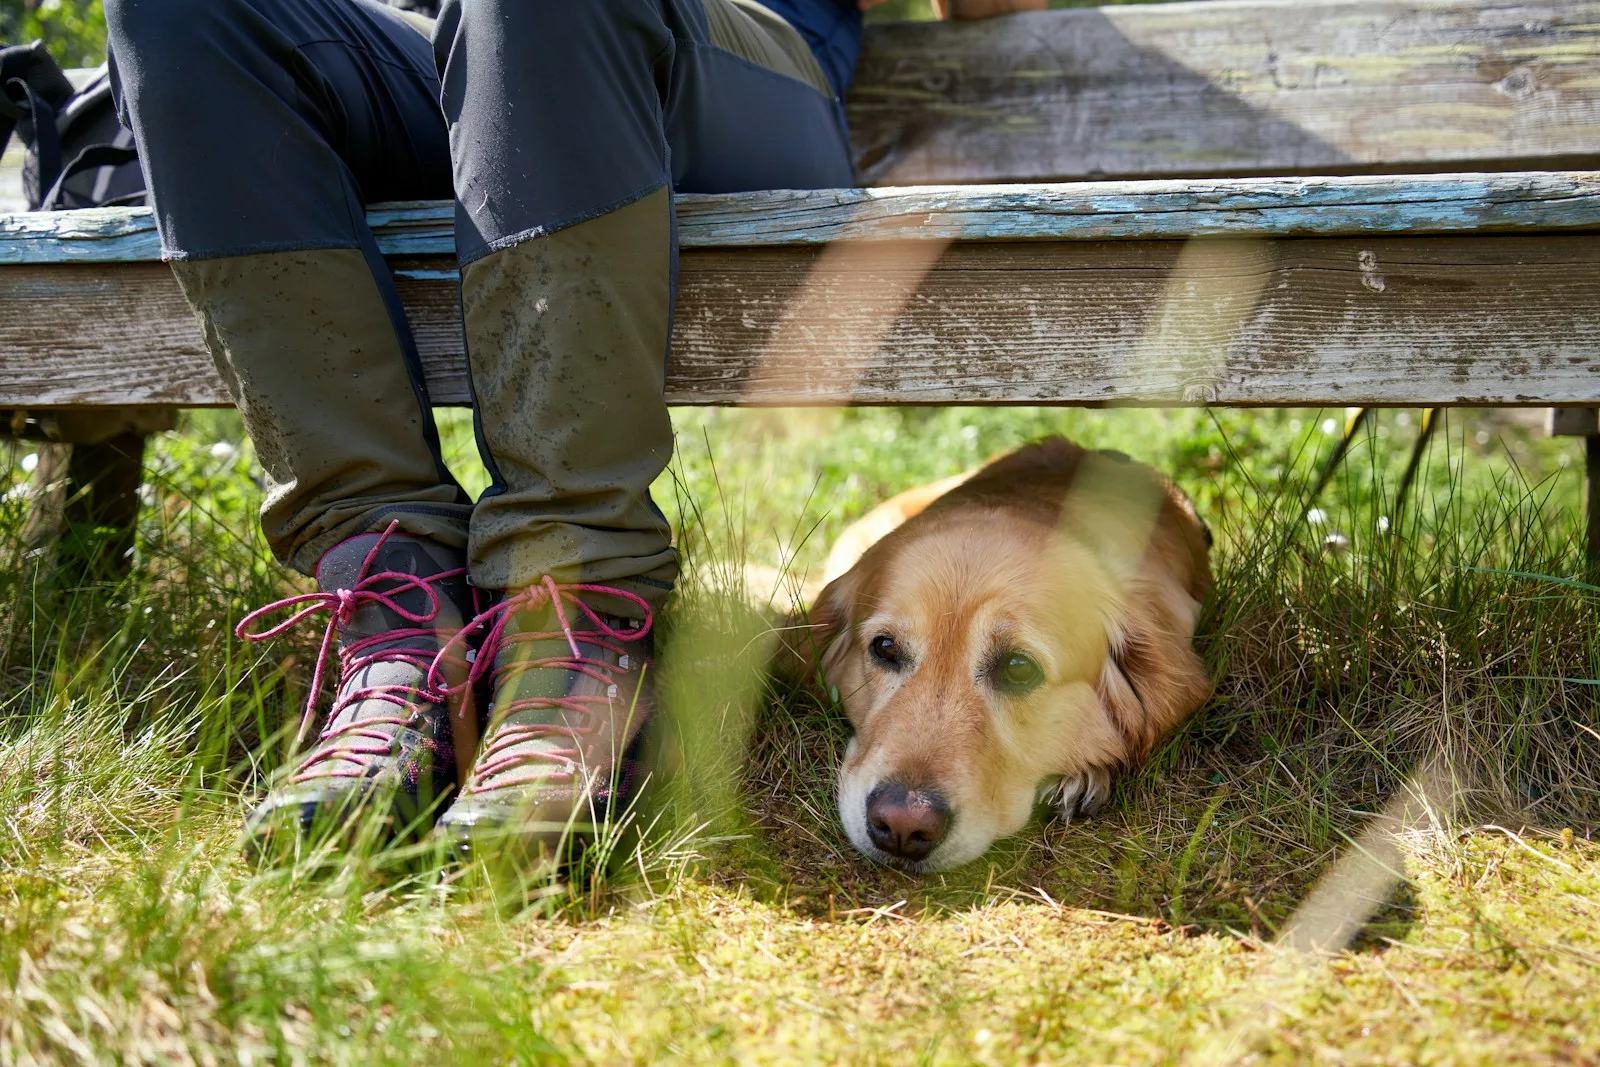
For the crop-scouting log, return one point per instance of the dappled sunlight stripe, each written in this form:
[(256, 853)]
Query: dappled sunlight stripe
[(1210, 296), (1331, 916), (831, 334)]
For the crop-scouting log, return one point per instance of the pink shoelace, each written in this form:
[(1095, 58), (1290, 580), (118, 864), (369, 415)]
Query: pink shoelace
[(498, 758), (349, 745)]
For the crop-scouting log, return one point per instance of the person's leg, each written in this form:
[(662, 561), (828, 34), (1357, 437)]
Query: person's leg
[(263, 127), (571, 125), (565, 234)]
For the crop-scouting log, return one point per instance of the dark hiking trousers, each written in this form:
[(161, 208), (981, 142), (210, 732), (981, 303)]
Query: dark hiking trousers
[(266, 126)]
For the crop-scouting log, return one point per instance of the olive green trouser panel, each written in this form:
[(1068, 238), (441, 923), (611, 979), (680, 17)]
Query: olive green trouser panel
[(743, 27), (567, 336), (752, 32), (306, 347)]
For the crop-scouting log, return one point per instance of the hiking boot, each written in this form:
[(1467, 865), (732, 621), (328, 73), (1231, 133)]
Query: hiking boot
[(572, 693), (393, 602)]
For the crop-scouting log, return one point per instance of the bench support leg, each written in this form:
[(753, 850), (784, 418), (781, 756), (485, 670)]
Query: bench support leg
[(85, 489), (1585, 423), (47, 498), (1592, 499)]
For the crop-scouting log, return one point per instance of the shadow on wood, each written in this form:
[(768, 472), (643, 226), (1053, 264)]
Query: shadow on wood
[(1249, 87)]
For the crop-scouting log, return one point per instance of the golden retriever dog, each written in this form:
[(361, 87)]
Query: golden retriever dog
[(1021, 632)]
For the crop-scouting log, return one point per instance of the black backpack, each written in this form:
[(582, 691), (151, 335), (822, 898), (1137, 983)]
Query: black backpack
[(76, 153)]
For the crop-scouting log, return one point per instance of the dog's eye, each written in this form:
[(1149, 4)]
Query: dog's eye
[(1017, 673), (885, 651)]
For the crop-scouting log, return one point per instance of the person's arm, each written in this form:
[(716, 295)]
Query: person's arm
[(972, 9)]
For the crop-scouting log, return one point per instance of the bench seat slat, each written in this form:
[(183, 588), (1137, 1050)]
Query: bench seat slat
[(1240, 207)]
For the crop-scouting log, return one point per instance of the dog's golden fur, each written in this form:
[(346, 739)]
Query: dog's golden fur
[(1085, 564)]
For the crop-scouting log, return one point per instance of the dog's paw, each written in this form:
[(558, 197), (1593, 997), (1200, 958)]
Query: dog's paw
[(1081, 794)]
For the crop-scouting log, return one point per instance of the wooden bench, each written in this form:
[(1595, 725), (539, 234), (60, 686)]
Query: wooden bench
[(1243, 202)]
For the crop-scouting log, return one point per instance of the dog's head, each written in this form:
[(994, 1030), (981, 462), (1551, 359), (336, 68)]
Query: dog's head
[(1012, 637)]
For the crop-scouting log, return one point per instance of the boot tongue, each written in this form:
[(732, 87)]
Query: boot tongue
[(342, 567), (549, 682), (346, 566)]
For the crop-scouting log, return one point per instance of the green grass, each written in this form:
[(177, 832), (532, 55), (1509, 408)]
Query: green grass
[(1455, 659)]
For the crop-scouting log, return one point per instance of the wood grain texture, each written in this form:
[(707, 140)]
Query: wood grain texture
[(1232, 87), (1503, 320), (73, 335), (1239, 207)]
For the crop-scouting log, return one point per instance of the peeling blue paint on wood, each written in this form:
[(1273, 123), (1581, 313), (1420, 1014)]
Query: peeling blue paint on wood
[(1131, 210)]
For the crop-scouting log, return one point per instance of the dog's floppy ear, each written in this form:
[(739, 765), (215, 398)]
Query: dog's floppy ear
[(1152, 678), (811, 643)]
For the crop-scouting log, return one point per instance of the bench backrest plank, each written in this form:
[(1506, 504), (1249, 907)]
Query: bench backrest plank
[(1232, 87)]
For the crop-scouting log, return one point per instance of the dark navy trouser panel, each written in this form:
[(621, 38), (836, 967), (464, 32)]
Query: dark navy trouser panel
[(261, 122), (832, 29), (734, 126), (562, 111)]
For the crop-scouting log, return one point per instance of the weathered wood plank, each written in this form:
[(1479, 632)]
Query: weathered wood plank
[(83, 334), (1243, 207), (1503, 320), (1231, 87)]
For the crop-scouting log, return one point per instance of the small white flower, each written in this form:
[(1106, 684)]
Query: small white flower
[(1383, 524), (1317, 517), (29, 462), (225, 451)]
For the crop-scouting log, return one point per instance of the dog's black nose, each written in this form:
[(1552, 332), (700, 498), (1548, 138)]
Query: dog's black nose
[(906, 823)]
